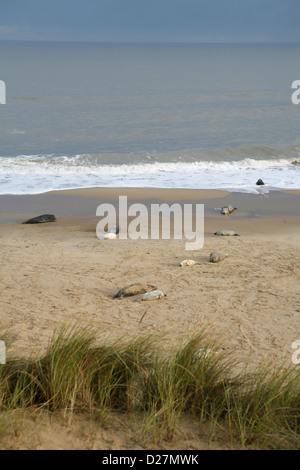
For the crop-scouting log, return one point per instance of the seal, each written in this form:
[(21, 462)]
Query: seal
[(260, 182), (226, 233), (228, 210), (41, 219), (134, 289), (217, 256), (154, 295), (110, 236), (187, 262)]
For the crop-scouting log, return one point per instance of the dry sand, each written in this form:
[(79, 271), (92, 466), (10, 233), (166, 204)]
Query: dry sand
[(60, 272)]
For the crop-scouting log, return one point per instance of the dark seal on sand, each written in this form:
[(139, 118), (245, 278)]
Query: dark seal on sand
[(134, 289), (40, 219), (260, 182)]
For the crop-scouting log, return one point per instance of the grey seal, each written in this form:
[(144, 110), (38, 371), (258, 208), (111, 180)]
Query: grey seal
[(41, 219), (134, 289), (228, 210), (217, 256), (226, 233)]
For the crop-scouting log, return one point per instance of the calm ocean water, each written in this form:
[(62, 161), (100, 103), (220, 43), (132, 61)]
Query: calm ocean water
[(178, 116)]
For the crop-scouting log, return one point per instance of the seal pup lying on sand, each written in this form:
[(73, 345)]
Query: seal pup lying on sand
[(226, 233), (134, 289), (109, 236), (40, 219), (188, 262), (154, 295), (217, 256)]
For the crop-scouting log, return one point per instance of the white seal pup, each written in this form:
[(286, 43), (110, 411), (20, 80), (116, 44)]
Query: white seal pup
[(188, 262), (217, 256), (226, 233), (153, 295), (110, 236)]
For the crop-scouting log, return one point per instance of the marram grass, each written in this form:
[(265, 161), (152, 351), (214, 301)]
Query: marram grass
[(139, 377)]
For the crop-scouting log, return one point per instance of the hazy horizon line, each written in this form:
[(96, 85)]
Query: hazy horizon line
[(69, 41)]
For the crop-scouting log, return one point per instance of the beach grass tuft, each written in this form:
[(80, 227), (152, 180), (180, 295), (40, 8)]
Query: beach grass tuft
[(141, 378)]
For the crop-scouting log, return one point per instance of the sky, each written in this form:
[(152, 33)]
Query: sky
[(151, 20)]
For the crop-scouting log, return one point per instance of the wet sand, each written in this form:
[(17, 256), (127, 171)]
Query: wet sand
[(84, 202)]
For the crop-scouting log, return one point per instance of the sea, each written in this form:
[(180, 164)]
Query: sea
[(209, 116)]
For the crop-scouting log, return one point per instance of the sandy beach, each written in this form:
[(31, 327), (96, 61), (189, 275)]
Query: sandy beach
[(62, 272)]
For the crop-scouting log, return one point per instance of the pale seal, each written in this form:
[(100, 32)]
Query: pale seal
[(134, 289), (154, 295), (40, 219), (226, 233), (228, 210), (217, 256), (188, 262), (110, 236)]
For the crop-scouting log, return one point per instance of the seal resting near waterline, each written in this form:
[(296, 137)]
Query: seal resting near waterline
[(260, 182), (154, 295), (41, 219), (228, 210), (134, 289), (226, 233), (217, 256)]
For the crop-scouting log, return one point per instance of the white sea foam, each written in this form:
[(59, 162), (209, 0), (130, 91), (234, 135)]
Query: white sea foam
[(37, 174)]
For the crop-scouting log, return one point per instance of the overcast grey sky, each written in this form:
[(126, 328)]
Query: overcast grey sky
[(151, 20)]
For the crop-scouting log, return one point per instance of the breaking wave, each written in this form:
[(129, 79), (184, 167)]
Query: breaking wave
[(233, 170)]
